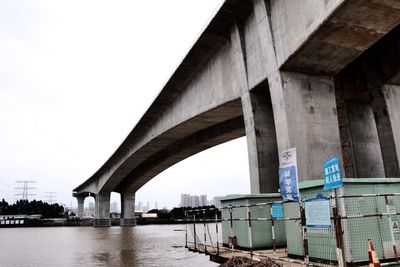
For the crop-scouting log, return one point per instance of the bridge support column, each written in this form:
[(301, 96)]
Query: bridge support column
[(102, 209), (371, 115), (364, 135), (392, 96), (81, 201), (304, 107), (261, 141), (383, 120), (128, 209), (306, 118)]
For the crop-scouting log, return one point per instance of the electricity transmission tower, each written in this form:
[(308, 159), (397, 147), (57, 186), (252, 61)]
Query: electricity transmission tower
[(25, 193), (50, 197)]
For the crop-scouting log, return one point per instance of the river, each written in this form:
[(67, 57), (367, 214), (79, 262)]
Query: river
[(150, 245)]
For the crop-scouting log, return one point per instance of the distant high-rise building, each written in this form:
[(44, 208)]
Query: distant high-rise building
[(195, 201), (140, 206), (148, 206), (203, 200), (156, 205), (185, 200), (91, 205)]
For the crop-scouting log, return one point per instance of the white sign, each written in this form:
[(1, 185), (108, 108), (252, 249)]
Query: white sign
[(395, 227), (288, 158), (318, 213)]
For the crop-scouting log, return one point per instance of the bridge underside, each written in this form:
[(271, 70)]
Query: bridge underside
[(207, 130), (321, 76)]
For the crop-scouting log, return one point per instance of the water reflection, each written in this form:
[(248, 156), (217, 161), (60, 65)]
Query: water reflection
[(154, 245), (127, 246)]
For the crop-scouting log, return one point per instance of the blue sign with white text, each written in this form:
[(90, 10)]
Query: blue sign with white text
[(333, 177), (277, 211), (288, 183)]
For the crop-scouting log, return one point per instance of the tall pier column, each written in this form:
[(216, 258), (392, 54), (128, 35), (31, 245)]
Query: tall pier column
[(392, 97), (304, 106), (81, 201), (128, 209), (261, 141), (102, 209), (372, 119), (379, 104), (259, 123), (306, 118)]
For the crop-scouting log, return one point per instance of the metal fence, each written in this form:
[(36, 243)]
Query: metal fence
[(354, 219)]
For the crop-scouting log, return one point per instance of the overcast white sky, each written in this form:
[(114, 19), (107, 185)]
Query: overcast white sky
[(76, 76)]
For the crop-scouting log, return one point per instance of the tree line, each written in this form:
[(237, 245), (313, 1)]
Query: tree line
[(186, 212), (24, 206)]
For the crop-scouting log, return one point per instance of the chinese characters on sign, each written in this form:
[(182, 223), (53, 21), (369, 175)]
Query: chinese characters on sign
[(318, 213), (332, 175), (288, 181)]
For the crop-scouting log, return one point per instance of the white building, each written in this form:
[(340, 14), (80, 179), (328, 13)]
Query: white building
[(203, 200)]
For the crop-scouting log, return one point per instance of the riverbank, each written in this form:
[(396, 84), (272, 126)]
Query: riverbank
[(62, 222), (46, 223)]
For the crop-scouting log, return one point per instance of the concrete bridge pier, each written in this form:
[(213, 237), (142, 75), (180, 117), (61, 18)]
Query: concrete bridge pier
[(261, 140), (306, 118), (392, 98), (128, 209), (303, 106), (102, 209), (81, 200)]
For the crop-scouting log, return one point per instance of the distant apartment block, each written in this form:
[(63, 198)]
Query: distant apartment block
[(188, 200)]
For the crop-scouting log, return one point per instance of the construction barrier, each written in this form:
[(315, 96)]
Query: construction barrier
[(353, 221)]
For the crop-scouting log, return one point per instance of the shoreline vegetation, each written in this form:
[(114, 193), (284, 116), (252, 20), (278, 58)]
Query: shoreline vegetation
[(90, 222), (34, 213)]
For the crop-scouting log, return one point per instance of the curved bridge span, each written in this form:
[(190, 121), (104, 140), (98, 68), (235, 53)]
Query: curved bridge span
[(321, 76)]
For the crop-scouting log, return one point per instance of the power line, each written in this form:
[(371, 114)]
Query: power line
[(25, 188), (50, 196)]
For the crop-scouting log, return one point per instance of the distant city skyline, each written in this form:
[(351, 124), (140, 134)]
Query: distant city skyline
[(186, 200)]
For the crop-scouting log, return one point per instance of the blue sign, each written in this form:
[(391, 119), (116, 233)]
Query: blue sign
[(288, 183), (333, 177), (277, 211), (318, 213)]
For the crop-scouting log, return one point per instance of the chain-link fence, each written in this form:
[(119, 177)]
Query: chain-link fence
[(292, 235)]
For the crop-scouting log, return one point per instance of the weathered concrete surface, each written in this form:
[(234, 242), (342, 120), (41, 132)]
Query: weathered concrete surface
[(128, 209), (392, 96), (371, 113), (102, 209), (81, 201), (340, 32), (285, 74), (367, 153), (304, 107), (180, 150), (310, 123), (261, 141)]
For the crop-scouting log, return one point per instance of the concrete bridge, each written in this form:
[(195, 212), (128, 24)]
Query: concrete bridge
[(321, 76)]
